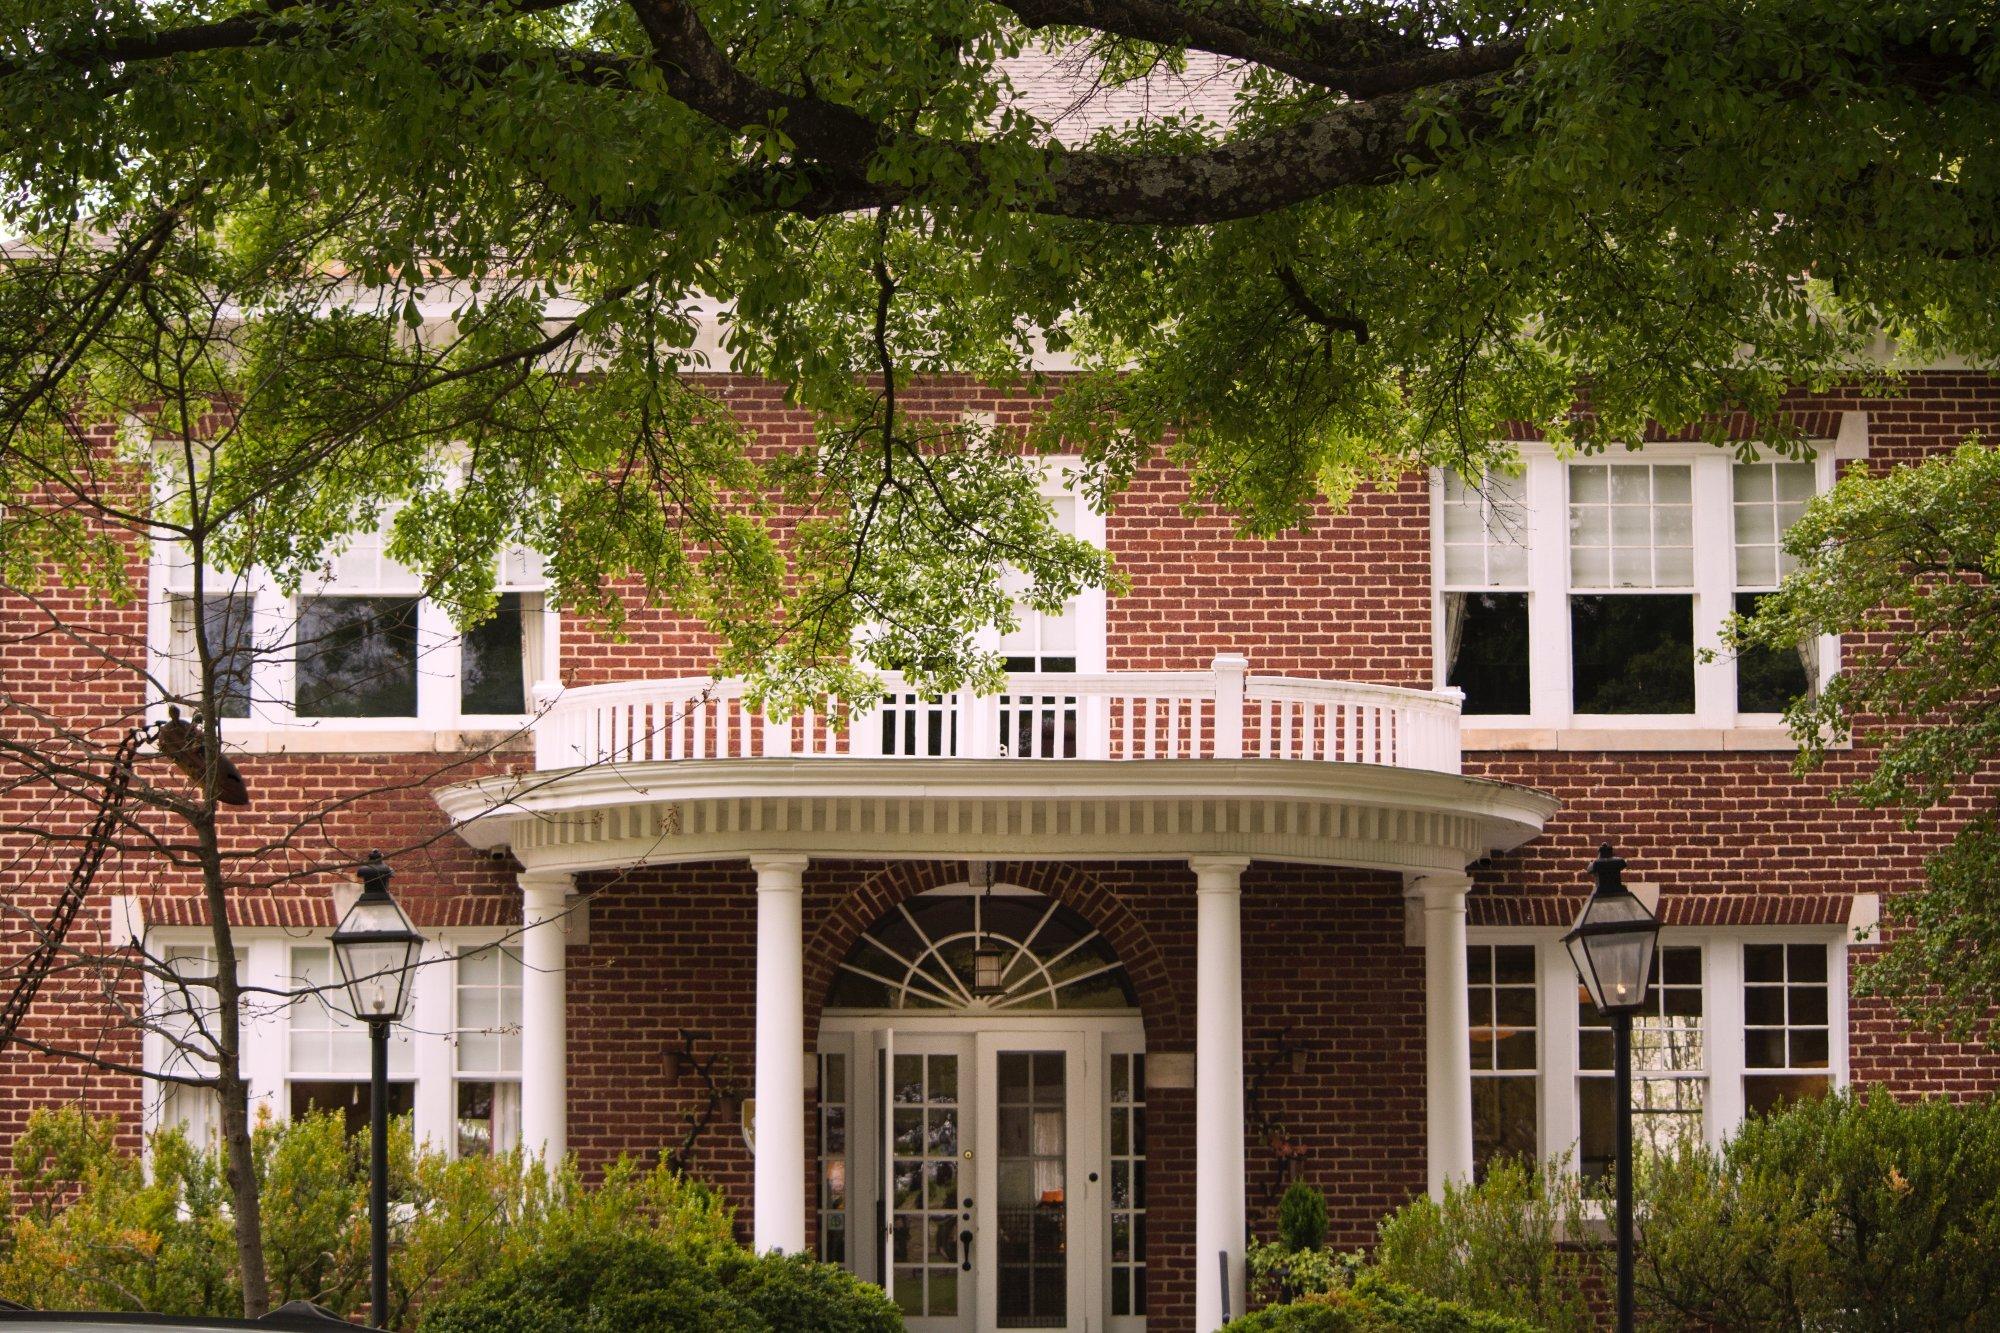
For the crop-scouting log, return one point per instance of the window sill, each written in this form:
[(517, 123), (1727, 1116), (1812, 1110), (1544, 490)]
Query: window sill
[(1501, 736), (343, 737)]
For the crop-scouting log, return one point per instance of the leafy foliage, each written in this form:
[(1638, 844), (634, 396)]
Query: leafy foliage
[(96, 1227), (609, 1283), (1279, 1274), (1510, 1245), (1906, 563), (1851, 1212), (1373, 1305), (309, 243)]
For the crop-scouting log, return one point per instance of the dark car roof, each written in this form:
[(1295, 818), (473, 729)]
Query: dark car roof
[(293, 1317)]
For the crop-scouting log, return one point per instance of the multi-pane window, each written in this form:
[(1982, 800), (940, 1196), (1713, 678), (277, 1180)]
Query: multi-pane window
[(1787, 1047), (488, 1051), (1768, 499), (1587, 593), (1505, 1052), (226, 627), (1128, 1184), (360, 641), (1669, 1066), (183, 1014), (1041, 725), (1631, 548), (1485, 588), (833, 1158), (327, 1048)]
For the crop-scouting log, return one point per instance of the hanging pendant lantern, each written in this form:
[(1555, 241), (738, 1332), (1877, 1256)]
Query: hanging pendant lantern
[(988, 960)]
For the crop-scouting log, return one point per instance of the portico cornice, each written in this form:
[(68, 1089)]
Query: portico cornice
[(1364, 815)]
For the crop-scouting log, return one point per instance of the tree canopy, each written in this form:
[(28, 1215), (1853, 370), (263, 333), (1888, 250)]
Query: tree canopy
[(374, 224)]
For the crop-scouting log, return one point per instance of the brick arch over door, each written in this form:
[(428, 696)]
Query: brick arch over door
[(1167, 1028)]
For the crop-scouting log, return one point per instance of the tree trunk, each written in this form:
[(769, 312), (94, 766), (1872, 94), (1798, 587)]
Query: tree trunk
[(239, 1169), (232, 1090)]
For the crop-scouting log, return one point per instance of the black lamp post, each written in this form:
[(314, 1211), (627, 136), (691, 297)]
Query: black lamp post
[(1612, 946), (377, 948)]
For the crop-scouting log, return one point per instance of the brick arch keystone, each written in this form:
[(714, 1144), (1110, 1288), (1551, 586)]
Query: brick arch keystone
[(1159, 1005)]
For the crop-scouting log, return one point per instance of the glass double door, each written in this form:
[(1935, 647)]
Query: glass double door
[(989, 1216)]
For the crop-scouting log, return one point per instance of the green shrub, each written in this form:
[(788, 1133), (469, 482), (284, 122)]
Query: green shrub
[(1302, 1217), (94, 1225), (84, 1226), (1504, 1245), (1373, 1305), (643, 1284), (1846, 1212)]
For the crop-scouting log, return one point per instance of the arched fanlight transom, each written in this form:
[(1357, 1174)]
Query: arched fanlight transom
[(924, 955)]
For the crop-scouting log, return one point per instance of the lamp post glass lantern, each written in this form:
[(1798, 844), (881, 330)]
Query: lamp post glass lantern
[(1613, 940), (376, 948), (1612, 945)]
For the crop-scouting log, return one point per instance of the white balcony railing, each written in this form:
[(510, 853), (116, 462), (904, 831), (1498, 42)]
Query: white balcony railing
[(1222, 713)]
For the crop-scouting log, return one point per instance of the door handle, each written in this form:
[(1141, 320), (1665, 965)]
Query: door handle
[(965, 1251)]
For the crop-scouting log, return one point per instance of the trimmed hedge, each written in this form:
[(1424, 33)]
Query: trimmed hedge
[(640, 1284), (1373, 1305)]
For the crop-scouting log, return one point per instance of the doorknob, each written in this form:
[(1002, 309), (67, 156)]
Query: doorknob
[(965, 1251)]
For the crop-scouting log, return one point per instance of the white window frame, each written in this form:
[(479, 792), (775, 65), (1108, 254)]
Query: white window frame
[(430, 1028), (459, 945), (1058, 475), (1536, 1073), (1551, 722), (1557, 1107), (273, 725)]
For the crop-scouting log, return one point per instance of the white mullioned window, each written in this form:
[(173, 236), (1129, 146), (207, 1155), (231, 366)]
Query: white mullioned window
[(1126, 1156), (1669, 1066), (487, 1050), (835, 1158), (1504, 1005), (1592, 593), (1768, 499), (358, 648), (454, 1060), (1483, 640), (1737, 1022)]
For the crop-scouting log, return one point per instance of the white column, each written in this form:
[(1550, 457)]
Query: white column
[(1218, 1088), (545, 897), (1448, 1029), (780, 1194)]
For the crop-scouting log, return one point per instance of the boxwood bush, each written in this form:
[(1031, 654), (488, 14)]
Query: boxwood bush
[(1374, 1305), (642, 1284)]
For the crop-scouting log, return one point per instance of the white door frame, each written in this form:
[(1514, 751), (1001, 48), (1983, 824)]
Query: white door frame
[(1086, 1038)]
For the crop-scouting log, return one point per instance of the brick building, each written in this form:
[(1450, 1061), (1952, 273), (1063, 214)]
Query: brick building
[(1030, 1004)]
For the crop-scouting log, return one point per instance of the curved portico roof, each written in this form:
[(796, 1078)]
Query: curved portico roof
[(1350, 814)]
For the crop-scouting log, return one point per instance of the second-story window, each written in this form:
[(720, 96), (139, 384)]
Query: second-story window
[(1486, 593), (226, 625), (1597, 593), (1768, 499), (1631, 560), (361, 644)]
